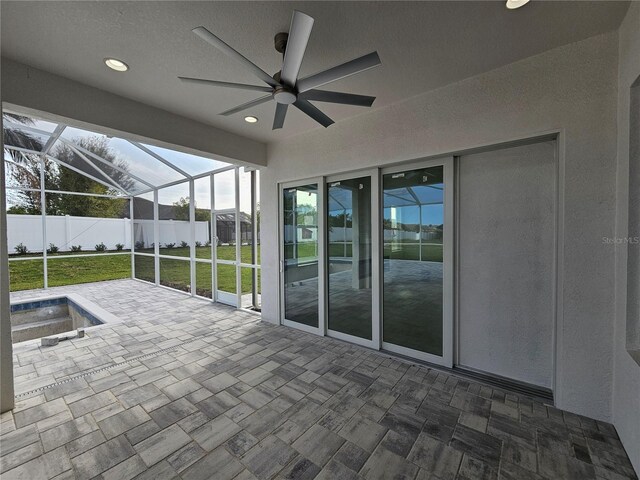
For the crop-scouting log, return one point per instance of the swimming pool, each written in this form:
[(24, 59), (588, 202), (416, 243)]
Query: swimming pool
[(42, 317)]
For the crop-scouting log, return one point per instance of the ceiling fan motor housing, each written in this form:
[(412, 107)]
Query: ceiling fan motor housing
[(284, 95), (280, 41)]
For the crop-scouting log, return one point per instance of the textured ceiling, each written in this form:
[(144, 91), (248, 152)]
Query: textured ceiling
[(423, 46)]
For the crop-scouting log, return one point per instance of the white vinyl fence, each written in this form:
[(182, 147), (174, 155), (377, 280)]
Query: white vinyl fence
[(344, 234), (171, 231), (65, 231)]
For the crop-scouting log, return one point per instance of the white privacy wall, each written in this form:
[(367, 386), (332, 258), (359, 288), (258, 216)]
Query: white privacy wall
[(626, 383), (571, 89), (171, 231), (65, 231)]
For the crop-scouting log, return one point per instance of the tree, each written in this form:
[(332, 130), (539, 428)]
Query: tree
[(17, 137), (18, 210), (340, 220), (23, 167), (26, 173), (181, 211), (72, 181)]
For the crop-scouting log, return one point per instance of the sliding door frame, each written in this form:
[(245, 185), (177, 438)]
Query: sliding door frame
[(321, 328), (374, 175), (377, 266), (447, 258)]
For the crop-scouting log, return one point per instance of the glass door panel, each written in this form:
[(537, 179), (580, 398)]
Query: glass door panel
[(300, 254), (224, 239), (413, 267), (349, 257)]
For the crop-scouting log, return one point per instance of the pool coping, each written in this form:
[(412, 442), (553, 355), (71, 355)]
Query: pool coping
[(107, 318)]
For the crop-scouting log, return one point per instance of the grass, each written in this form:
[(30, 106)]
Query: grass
[(224, 252), (430, 252), (28, 274)]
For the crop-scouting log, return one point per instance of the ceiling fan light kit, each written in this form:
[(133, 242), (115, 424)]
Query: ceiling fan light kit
[(285, 88)]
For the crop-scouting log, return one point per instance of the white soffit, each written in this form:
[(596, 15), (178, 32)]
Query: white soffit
[(423, 46)]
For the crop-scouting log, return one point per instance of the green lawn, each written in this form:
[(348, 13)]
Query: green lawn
[(224, 252), (305, 250), (28, 274), (430, 253)]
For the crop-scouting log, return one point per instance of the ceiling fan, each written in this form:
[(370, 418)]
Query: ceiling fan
[(285, 87)]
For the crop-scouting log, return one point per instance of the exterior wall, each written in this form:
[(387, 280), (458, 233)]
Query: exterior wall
[(626, 379), (506, 233), (572, 90)]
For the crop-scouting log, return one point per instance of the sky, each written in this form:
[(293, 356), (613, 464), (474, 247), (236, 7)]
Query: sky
[(145, 166)]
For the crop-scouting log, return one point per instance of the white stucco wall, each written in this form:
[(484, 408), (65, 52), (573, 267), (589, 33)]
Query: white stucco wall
[(571, 89), (506, 234), (626, 385)]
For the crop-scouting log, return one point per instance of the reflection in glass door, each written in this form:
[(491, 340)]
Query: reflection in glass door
[(300, 254), (414, 224), (349, 251)]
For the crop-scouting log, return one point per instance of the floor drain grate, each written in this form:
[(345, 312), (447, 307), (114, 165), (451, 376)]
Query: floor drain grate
[(102, 369)]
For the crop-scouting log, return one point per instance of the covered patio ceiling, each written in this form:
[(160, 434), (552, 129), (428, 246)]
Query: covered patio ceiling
[(125, 166)]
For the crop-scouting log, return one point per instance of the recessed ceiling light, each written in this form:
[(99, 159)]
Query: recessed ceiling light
[(251, 119), (513, 4), (115, 64)]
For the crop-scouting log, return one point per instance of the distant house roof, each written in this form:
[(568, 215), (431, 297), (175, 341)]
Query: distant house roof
[(143, 208)]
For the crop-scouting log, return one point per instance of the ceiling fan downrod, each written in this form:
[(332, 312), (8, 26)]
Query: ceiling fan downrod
[(282, 94)]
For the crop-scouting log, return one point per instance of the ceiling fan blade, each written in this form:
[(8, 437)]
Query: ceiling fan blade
[(281, 112), (211, 39), (299, 33), (351, 67), (250, 104), (313, 112), (239, 86), (338, 97)]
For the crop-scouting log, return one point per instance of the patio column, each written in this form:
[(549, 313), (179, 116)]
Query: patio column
[(6, 347)]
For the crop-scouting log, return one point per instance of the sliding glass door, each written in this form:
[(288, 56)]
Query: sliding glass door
[(301, 248), (368, 258), (416, 219), (351, 258)]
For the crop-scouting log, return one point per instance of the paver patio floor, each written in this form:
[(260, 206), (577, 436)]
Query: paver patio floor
[(188, 389)]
